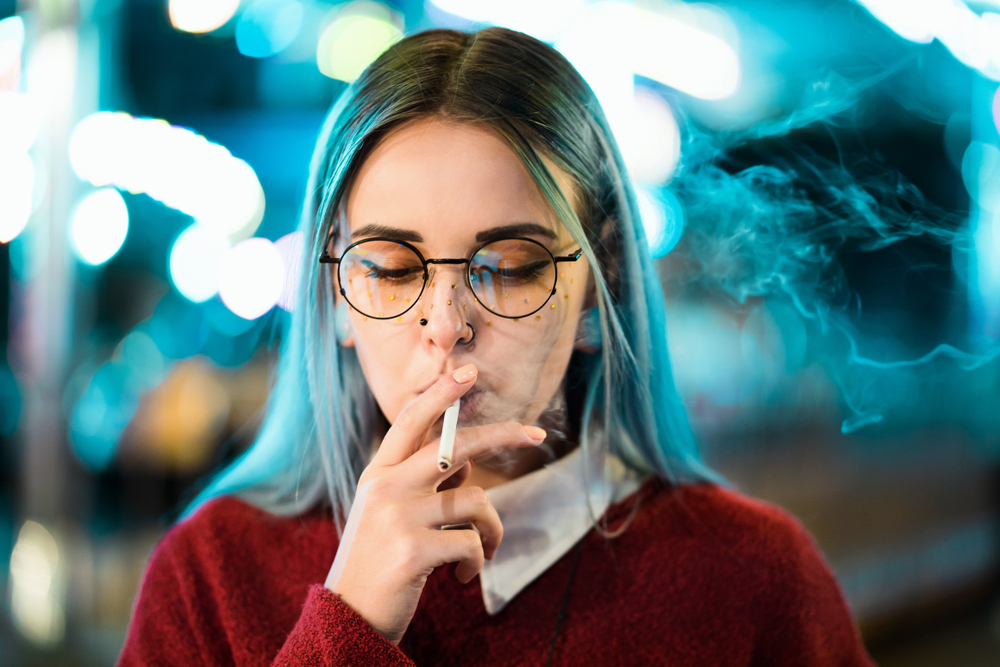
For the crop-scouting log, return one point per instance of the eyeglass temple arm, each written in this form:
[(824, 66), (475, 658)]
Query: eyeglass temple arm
[(569, 258)]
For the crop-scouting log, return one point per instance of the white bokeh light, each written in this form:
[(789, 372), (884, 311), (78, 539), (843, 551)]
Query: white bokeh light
[(99, 226), (201, 15), (654, 220), (195, 258), (20, 119), (653, 146), (17, 183), (544, 20), (973, 38), (171, 164), (252, 278)]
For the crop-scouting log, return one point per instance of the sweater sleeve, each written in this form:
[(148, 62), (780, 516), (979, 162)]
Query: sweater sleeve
[(188, 615), (806, 619), (331, 633)]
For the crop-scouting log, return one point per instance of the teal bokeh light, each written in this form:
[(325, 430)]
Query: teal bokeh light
[(268, 27)]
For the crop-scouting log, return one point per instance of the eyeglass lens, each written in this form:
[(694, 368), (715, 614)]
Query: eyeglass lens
[(510, 277)]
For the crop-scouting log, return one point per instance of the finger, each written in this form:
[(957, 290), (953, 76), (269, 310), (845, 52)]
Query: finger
[(457, 546), (468, 504), (470, 443), (407, 431)]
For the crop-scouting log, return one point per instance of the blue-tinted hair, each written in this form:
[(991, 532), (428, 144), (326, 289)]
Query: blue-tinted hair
[(322, 421)]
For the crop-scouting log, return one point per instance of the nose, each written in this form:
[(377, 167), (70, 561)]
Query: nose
[(448, 307)]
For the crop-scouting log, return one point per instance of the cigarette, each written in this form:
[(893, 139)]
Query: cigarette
[(446, 449)]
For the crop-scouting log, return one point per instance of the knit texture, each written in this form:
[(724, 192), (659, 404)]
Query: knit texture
[(703, 576)]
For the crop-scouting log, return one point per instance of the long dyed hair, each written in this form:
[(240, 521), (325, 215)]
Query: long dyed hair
[(322, 420)]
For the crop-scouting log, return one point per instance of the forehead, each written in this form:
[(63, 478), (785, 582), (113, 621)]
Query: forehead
[(447, 182)]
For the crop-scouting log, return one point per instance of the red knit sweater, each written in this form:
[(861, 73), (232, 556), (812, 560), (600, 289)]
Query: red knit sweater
[(703, 576)]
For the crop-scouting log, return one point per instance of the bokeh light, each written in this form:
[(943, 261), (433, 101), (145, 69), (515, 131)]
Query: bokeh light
[(911, 20), (99, 226), (662, 219), (146, 364), (544, 20), (11, 43), (178, 327), (251, 278), (996, 109), (17, 182), (194, 262), (290, 246), (180, 421), (268, 27), (654, 145), (981, 174), (101, 414), (972, 38), (358, 34), (171, 164), (20, 119), (201, 15), (682, 56), (225, 321), (36, 604)]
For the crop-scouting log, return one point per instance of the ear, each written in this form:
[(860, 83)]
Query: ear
[(342, 323)]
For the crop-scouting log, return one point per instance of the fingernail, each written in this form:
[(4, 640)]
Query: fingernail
[(535, 433), (465, 374)]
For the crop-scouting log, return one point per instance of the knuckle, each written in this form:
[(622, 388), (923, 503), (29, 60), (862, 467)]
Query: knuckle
[(379, 490), (473, 545), (410, 552), (478, 498), (405, 419), (394, 514)]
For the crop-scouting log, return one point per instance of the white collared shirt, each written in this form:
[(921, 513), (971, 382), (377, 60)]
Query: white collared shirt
[(544, 513)]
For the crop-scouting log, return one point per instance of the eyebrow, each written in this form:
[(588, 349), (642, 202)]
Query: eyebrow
[(494, 234)]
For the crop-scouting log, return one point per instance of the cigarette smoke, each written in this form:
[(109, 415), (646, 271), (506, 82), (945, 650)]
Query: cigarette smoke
[(770, 218)]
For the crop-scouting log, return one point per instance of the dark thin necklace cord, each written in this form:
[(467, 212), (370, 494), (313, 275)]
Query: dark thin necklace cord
[(565, 601)]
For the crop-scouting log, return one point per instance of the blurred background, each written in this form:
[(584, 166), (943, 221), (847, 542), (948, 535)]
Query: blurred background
[(820, 186)]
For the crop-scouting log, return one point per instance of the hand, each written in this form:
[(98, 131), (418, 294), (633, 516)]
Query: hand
[(392, 540)]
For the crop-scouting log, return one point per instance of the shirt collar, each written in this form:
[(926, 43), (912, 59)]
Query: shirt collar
[(544, 513)]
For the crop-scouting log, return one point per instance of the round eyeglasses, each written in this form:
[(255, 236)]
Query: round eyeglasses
[(382, 278)]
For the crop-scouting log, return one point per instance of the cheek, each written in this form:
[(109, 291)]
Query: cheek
[(536, 350), (379, 348)]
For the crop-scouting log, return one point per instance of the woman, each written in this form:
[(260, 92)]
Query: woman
[(473, 236)]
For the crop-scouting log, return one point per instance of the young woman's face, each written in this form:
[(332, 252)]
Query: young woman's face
[(445, 187)]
